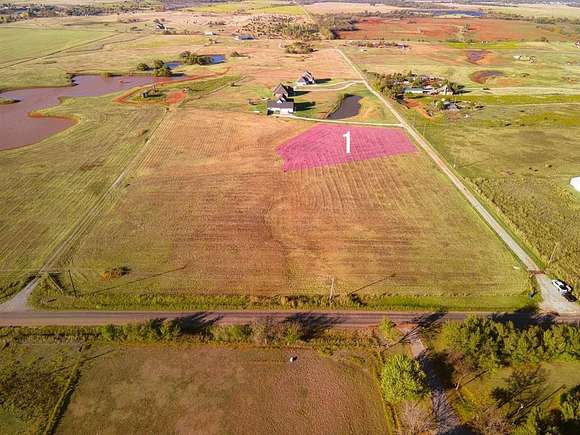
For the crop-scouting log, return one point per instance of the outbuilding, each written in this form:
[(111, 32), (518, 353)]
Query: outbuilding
[(575, 183)]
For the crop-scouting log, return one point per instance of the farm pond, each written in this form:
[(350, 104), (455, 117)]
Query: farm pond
[(349, 107), (18, 125)]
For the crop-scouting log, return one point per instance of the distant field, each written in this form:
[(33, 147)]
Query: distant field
[(216, 390), (20, 43), (553, 71), (529, 10), (346, 7), (460, 29), (521, 152), (251, 6), (211, 212)]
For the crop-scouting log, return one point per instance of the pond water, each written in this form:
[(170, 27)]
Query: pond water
[(349, 107), (18, 128)]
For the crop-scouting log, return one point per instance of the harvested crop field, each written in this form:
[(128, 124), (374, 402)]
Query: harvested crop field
[(211, 212), (324, 145), (439, 29), (217, 390)]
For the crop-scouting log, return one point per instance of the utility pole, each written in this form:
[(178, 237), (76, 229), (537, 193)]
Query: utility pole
[(331, 293), (72, 283)]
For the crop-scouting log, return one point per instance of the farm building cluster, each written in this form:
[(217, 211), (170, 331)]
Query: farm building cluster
[(426, 85), (282, 103)]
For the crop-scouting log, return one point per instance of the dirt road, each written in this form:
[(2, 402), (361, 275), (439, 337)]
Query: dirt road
[(447, 421), (342, 319), (551, 300)]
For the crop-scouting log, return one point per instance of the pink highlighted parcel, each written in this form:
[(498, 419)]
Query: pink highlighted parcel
[(325, 145)]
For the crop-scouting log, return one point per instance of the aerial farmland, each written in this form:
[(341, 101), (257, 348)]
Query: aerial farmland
[(246, 176)]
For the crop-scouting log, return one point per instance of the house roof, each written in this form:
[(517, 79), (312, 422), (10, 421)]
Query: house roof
[(282, 89), (272, 104)]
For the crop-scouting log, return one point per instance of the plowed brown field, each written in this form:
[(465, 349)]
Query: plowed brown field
[(211, 211), (438, 29)]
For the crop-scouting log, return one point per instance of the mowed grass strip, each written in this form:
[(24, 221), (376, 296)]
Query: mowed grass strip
[(217, 390), (47, 187), (23, 43), (211, 212)]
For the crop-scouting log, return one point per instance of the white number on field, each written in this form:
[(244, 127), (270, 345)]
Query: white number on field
[(347, 137)]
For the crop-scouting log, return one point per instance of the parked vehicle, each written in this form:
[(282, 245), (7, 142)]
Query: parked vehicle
[(562, 286)]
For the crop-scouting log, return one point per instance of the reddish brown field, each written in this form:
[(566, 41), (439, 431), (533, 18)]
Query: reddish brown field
[(437, 29)]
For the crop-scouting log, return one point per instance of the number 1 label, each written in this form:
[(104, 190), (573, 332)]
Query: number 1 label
[(347, 137)]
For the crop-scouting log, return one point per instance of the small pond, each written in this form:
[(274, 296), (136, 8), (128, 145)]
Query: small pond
[(349, 107), (18, 128)]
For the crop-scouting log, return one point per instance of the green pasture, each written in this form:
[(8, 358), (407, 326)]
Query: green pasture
[(555, 67), (520, 154), (47, 187), (319, 104), (19, 43), (119, 54), (251, 7)]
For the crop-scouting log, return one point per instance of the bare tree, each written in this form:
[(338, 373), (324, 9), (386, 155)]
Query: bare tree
[(415, 419), (491, 421)]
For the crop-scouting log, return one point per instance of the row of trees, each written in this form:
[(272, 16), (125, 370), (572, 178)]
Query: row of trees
[(487, 344), (189, 58)]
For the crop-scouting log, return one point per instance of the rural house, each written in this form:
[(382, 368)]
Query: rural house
[(283, 90), (281, 103), (416, 91), (243, 37), (280, 106), (306, 79)]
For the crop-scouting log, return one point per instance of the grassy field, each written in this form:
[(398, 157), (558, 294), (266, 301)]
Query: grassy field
[(176, 389), (32, 379), (553, 71), (20, 43), (527, 181), (477, 394), (251, 7), (319, 104), (43, 194), (207, 196)]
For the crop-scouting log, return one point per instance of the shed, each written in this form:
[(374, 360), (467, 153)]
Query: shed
[(575, 183)]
